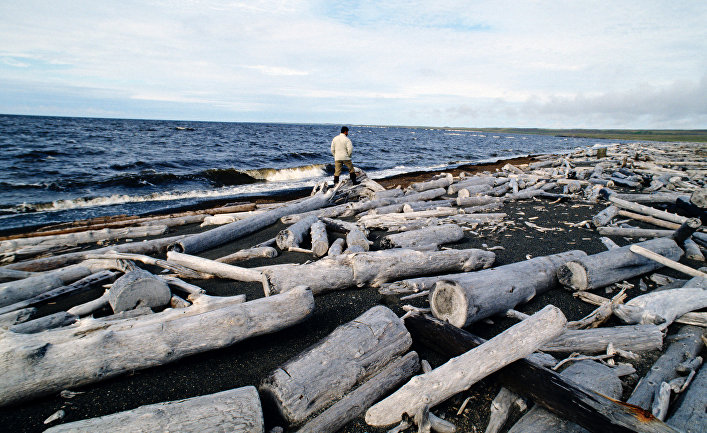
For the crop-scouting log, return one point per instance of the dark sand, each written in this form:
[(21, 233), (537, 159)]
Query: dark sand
[(247, 362)]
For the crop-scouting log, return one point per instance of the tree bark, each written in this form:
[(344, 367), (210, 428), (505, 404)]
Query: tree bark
[(236, 410), (325, 372), (436, 235), (371, 268), (463, 299), (463, 371), (617, 264), (39, 364)]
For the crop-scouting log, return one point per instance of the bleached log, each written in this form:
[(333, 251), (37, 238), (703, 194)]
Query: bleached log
[(51, 321), (182, 286), (327, 212), (20, 290), (477, 218), (692, 251), (388, 193), (632, 232), (463, 371), (636, 338), (437, 235), (662, 307), (442, 182), (690, 415), (372, 268), (667, 262), (695, 319), (483, 208), (138, 288), (112, 255), (320, 241), (646, 210), (605, 216), (39, 364), (617, 264), (294, 235), (649, 219), (213, 267), (479, 200), (472, 181), (89, 307), (336, 248), (590, 374), (357, 401), (416, 206), (500, 409), (15, 317), (463, 299), (236, 410), (12, 275), (247, 254), (196, 243), (358, 207), (686, 344), (656, 197), (356, 238), (325, 372), (391, 208)]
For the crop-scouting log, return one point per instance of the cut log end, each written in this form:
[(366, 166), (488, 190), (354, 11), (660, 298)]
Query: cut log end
[(573, 276), (449, 303)]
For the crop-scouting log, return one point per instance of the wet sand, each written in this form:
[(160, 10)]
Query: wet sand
[(247, 362)]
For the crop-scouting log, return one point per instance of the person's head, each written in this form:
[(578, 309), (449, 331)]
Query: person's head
[(345, 130)]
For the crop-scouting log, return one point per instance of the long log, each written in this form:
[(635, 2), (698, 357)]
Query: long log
[(236, 410), (47, 362), (466, 298), (686, 344), (665, 197), (547, 388), (294, 234), (362, 206), (199, 242), (20, 290), (12, 275), (461, 372), (249, 253), (357, 401), (646, 210), (590, 374), (371, 268), (667, 262), (215, 268), (690, 415), (632, 232), (472, 181), (51, 321), (442, 182), (662, 307), (636, 338), (436, 235), (617, 264), (325, 372)]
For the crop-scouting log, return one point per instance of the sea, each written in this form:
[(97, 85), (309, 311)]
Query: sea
[(59, 169)]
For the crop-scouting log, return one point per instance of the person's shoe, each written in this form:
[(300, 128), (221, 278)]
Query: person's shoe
[(353, 179), (336, 180)]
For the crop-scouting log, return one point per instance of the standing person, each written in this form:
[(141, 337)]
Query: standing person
[(342, 148)]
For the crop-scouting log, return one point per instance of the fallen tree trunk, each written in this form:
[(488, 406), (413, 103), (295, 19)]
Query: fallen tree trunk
[(294, 234), (247, 254), (362, 206), (547, 388), (590, 374), (463, 299), (657, 197), (15, 317), (320, 241), (463, 371), (646, 210), (328, 370), (371, 268), (442, 182), (417, 206), (236, 410), (437, 235), (356, 238), (638, 338), (690, 415), (51, 321), (617, 264), (12, 275), (39, 364), (357, 401), (662, 307), (199, 242), (215, 268), (473, 181), (687, 344), (336, 248)]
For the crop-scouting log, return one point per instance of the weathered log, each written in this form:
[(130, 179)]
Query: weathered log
[(388, 193), (469, 182), (686, 344), (604, 217), (662, 307), (483, 208), (616, 264), (637, 338), (89, 307), (357, 401), (649, 219), (686, 230), (327, 212), (437, 235), (692, 251), (416, 206), (463, 371), (479, 200), (76, 287), (442, 182), (667, 262), (371, 268), (362, 206), (182, 270), (632, 232), (39, 364), (647, 210), (20, 290), (500, 409), (336, 248), (12, 275), (320, 241), (590, 374), (294, 235), (529, 378), (15, 317), (51, 321), (236, 410), (326, 371), (213, 267), (178, 302), (196, 243), (138, 288), (247, 254), (463, 299), (690, 415), (662, 197), (356, 238)]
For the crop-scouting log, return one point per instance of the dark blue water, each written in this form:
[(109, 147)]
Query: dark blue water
[(56, 169)]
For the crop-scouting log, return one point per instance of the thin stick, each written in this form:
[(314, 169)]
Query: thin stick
[(667, 262)]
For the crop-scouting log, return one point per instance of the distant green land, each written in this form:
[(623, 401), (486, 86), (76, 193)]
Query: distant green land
[(691, 135)]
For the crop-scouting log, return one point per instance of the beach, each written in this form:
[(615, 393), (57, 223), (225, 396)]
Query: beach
[(532, 228)]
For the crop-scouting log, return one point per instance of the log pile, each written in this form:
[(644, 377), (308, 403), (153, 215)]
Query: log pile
[(73, 319)]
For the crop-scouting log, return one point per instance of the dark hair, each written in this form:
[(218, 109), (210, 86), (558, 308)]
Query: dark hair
[(344, 129)]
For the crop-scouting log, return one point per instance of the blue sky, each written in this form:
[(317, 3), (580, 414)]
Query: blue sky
[(593, 64)]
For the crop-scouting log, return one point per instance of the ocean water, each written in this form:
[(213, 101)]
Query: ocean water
[(56, 169)]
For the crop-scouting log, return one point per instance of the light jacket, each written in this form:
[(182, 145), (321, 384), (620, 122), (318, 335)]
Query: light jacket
[(341, 148)]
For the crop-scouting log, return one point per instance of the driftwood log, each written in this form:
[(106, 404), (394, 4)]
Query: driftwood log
[(56, 320), (590, 374), (437, 235), (460, 373), (662, 307), (637, 338), (358, 207), (213, 267), (138, 288), (249, 253), (39, 364), (295, 234), (529, 378), (320, 241), (336, 248), (463, 299), (236, 410), (325, 372), (687, 344), (690, 415), (617, 264), (371, 268)]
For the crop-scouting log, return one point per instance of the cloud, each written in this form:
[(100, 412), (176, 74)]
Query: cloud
[(277, 71)]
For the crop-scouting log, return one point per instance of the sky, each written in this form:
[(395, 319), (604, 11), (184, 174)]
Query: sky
[(547, 64)]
